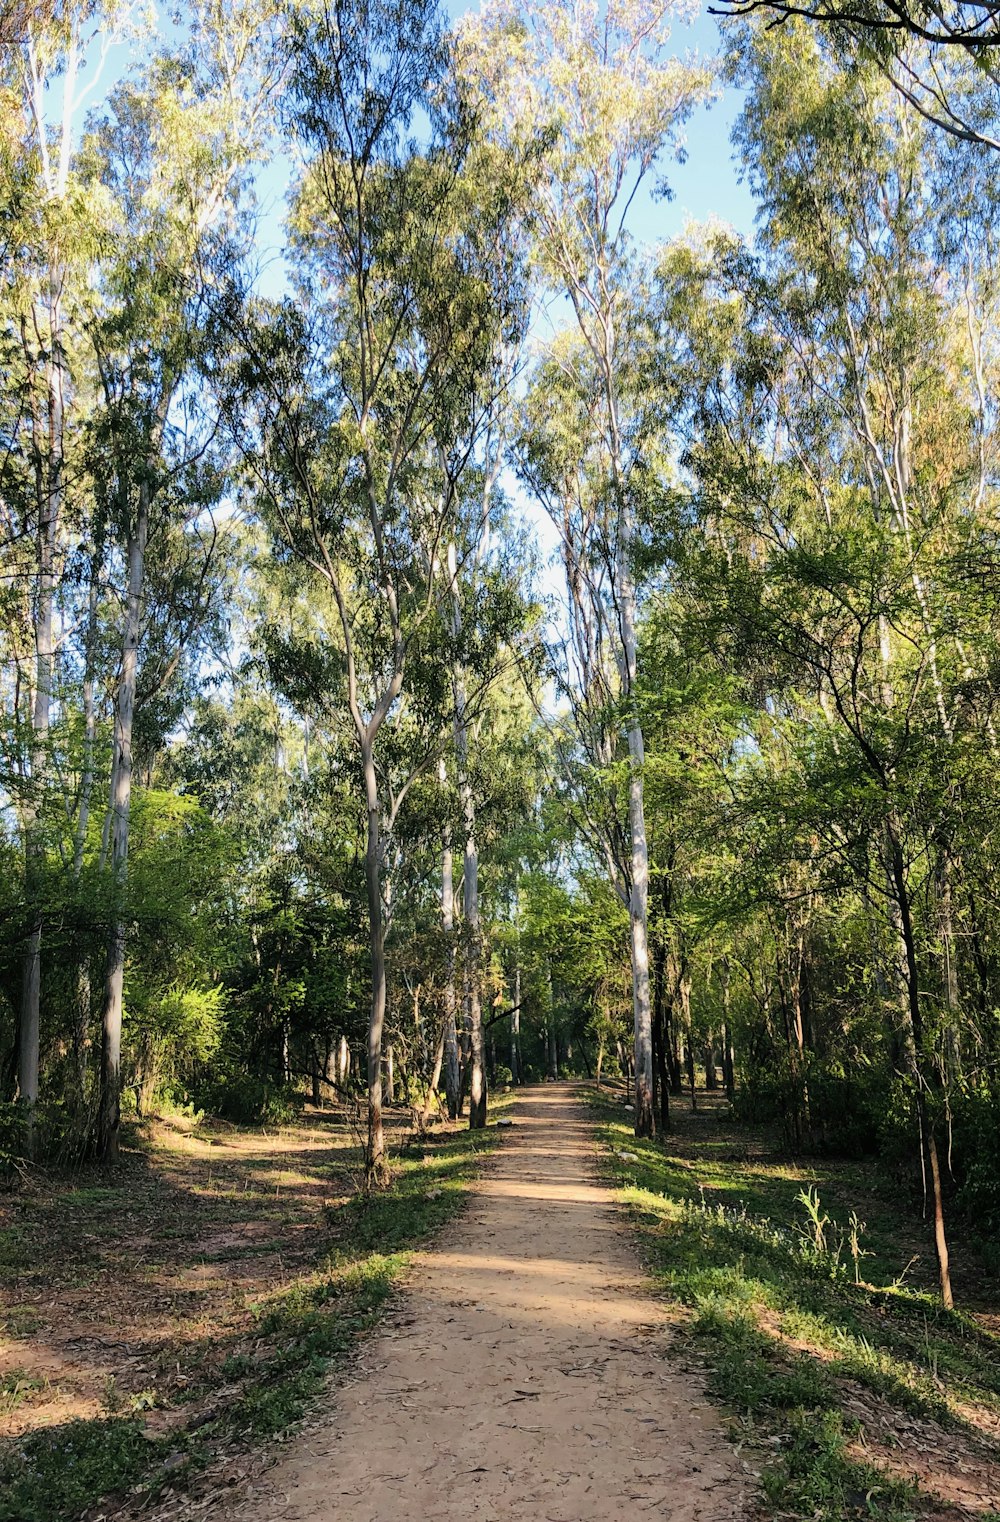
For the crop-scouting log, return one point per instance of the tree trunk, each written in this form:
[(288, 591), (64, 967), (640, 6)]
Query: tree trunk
[(711, 1081), (452, 1070), (642, 1014), (376, 1172), (49, 499), (922, 1080), (551, 1051), (470, 896), (728, 1066), (343, 1062), (662, 1077), (109, 1118), (390, 1075), (728, 1069), (515, 1030), (432, 1087)]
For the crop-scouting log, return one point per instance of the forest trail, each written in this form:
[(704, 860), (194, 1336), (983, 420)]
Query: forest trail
[(527, 1371)]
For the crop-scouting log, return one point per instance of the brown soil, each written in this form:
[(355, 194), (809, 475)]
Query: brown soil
[(528, 1370), (114, 1282)]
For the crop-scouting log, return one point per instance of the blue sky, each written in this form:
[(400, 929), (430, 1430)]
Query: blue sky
[(705, 186)]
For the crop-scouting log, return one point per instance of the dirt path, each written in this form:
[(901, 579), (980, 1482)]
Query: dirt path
[(524, 1374)]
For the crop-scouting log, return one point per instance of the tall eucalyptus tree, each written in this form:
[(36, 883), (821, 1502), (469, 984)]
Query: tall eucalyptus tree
[(372, 391), (611, 97)]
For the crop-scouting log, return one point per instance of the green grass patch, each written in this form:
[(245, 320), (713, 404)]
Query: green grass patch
[(789, 1317), (59, 1472)]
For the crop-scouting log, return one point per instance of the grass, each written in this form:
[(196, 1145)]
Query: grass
[(235, 1338), (837, 1376)]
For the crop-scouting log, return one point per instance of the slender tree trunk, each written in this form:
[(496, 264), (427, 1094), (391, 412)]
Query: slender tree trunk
[(515, 1029), (109, 1118), (728, 1065), (452, 1069), (431, 1096), (688, 1037), (661, 1076), (477, 1066), (925, 1111), (49, 503), (470, 897), (711, 1080), (375, 1161), (552, 1055), (390, 1075), (728, 1069), (673, 1052), (642, 1014)]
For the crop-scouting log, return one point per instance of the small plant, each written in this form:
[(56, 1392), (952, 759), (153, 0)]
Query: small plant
[(818, 1220), (856, 1230)]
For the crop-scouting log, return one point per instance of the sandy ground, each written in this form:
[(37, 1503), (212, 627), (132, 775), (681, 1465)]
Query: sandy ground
[(527, 1371)]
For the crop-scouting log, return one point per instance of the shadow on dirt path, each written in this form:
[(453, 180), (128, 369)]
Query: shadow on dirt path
[(527, 1371)]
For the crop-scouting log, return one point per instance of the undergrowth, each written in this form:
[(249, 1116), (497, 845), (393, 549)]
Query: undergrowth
[(275, 1366), (793, 1309)]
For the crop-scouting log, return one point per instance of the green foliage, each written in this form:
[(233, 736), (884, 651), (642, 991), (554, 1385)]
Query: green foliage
[(57, 1473)]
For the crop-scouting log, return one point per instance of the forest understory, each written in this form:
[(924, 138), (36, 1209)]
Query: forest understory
[(163, 1320), (166, 1324), (854, 1392)]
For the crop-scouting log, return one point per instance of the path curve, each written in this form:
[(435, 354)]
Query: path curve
[(527, 1372)]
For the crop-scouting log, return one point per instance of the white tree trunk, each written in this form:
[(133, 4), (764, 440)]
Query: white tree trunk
[(470, 894), (49, 509), (639, 897), (375, 1165), (121, 803), (452, 1066)]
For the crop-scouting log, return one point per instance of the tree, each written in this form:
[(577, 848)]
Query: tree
[(837, 462), (941, 55), (169, 159), (612, 100), (370, 391)]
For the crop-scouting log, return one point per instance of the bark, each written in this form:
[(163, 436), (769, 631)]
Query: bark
[(375, 1161), (515, 1030), (728, 1066), (924, 1075), (661, 1075), (343, 1062), (431, 1097), (390, 1075), (642, 1015), (728, 1070), (470, 895), (452, 1071), (552, 1054), (685, 992), (50, 486), (121, 802), (711, 1080)]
